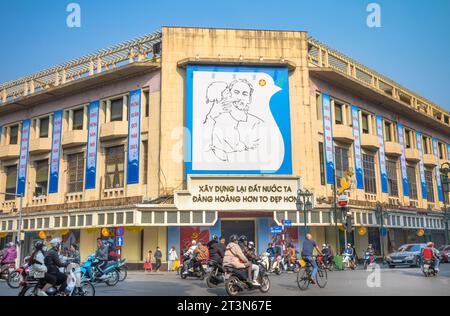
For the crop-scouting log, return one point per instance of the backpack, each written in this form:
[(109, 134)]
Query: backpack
[(427, 253), (112, 253)]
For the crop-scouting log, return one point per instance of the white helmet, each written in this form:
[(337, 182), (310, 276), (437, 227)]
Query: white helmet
[(251, 244), (193, 243), (55, 242)]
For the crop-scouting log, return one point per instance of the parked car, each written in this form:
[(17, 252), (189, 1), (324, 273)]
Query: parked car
[(406, 255), (444, 252)]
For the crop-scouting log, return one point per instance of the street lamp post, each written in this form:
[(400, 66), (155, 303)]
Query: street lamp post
[(445, 170), (381, 216), (304, 204), (19, 224)]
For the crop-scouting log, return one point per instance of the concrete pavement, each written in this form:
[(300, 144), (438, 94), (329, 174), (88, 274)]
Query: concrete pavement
[(391, 282)]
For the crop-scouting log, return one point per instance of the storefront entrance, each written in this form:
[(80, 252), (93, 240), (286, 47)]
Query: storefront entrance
[(238, 227)]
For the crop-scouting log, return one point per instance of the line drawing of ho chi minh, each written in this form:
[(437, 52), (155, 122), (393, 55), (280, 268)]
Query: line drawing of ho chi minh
[(230, 106)]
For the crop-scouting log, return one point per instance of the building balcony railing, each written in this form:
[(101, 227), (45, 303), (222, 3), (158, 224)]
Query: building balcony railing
[(392, 148), (412, 154), (113, 130), (74, 138), (369, 141), (320, 55), (343, 133), (144, 48), (40, 145), (9, 152), (429, 160)]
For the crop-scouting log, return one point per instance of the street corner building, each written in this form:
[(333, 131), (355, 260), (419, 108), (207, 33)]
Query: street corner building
[(187, 133)]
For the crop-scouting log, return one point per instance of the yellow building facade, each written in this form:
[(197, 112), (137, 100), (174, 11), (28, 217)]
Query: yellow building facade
[(171, 177)]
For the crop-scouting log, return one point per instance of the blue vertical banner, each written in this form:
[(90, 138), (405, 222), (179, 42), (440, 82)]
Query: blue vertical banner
[(92, 145), (23, 159), (134, 137), (357, 148), (423, 183), (448, 146), (401, 140), (438, 172), (0, 134), (56, 152), (328, 137), (382, 155)]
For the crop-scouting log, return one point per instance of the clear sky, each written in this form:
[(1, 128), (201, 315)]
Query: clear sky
[(411, 46)]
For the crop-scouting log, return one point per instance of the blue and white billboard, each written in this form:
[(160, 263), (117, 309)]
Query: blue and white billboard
[(423, 183), (357, 148), (238, 120), (92, 144), (23, 159), (56, 152), (448, 146), (328, 138), (401, 139), (382, 155), (134, 133), (438, 172)]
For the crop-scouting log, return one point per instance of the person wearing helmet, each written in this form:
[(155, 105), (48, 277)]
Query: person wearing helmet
[(326, 252), (235, 258), (349, 255), (431, 253), (53, 263), (215, 251), (101, 256), (38, 270), (9, 254), (251, 256), (189, 256)]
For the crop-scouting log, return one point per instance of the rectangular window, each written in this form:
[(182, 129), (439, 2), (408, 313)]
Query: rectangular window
[(370, 183), (341, 162), (115, 167), (145, 145), (76, 172), (147, 103), (441, 151), (391, 168), (43, 127), (117, 110), (429, 182), (387, 131), (338, 113), (425, 145), (41, 178), (13, 134), (319, 106), (322, 164), (365, 123), (408, 138), (412, 184), (11, 182), (78, 118)]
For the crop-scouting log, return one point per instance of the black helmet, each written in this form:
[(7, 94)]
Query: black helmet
[(233, 238), (243, 239), (215, 237), (39, 244)]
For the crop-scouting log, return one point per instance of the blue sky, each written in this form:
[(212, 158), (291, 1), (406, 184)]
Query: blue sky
[(412, 46)]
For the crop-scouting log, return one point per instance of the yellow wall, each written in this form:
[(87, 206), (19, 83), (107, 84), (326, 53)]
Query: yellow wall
[(88, 243), (153, 237)]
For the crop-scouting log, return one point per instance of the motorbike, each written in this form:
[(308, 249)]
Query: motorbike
[(271, 267), (76, 286), (348, 261), (89, 271), (236, 280), (428, 268), (286, 266), (185, 270), (368, 259), (19, 274), (6, 269), (214, 274)]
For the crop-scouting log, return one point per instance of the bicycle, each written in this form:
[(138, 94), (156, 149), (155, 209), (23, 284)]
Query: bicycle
[(304, 276)]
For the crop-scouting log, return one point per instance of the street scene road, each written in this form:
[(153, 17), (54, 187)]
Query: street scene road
[(392, 282)]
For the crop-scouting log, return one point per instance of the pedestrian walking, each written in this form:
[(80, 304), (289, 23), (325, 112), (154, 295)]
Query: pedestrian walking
[(148, 262), (172, 258), (158, 257)]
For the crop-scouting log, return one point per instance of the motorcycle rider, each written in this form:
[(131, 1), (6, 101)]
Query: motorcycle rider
[(349, 253), (53, 264), (326, 252), (190, 253), (290, 254), (216, 253), (235, 258), (272, 254), (201, 254), (371, 252), (101, 255), (38, 270), (431, 253), (9, 254), (243, 243)]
